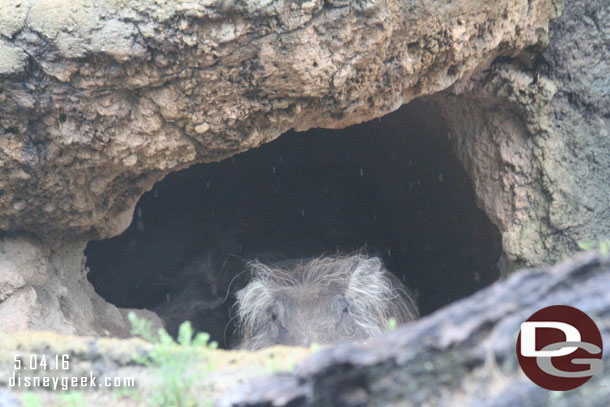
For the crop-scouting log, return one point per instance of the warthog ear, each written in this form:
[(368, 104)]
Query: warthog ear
[(369, 293), (252, 302), (367, 280)]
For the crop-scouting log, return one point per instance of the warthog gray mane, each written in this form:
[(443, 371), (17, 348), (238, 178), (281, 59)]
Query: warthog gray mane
[(324, 300)]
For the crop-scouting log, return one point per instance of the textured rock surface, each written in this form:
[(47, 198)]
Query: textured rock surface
[(534, 133), (462, 355), (49, 291), (99, 101), (575, 148)]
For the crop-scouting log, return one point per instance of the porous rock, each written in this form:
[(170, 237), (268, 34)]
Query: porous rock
[(100, 100)]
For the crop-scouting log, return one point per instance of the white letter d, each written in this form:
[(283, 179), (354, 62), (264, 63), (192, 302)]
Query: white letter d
[(528, 338)]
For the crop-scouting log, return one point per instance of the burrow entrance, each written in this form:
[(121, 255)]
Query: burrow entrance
[(391, 187)]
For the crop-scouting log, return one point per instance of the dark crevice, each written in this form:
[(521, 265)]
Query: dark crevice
[(391, 187)]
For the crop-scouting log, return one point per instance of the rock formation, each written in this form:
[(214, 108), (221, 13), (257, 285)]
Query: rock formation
[(100, 101)]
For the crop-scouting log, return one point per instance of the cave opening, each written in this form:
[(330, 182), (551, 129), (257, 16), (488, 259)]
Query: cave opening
[(391, 187)]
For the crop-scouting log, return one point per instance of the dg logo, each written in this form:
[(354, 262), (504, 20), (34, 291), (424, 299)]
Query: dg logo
[(560, 348)]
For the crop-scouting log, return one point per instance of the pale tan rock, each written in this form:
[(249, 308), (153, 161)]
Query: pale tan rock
[(86, 87), (175, 89)]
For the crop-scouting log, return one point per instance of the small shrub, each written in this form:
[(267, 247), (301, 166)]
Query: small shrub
[(603, 246), (72, 399), (30, 400), (181, 365), (392, 324)]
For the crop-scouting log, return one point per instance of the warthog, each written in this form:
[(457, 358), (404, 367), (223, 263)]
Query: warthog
[(324, 300)]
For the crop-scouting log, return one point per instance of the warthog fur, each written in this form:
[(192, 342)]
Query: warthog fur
[(325, 300)]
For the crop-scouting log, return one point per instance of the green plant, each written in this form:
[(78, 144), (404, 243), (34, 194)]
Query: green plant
[(603, 246), (392, 324), (127, 393), (141, 327), (30, 400), (272, 364), (72, 399), (276, 365), (180, 364)]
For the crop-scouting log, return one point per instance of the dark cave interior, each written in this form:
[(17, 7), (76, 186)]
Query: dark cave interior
[(391, 187)]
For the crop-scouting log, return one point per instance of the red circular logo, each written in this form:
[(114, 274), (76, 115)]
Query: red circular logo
[(560, 348)]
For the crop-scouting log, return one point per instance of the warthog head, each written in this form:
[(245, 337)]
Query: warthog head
[(324, 300)]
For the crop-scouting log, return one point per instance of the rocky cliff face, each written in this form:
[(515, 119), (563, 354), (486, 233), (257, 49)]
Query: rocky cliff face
[(533, 133), (49, 291), (98, 102)]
